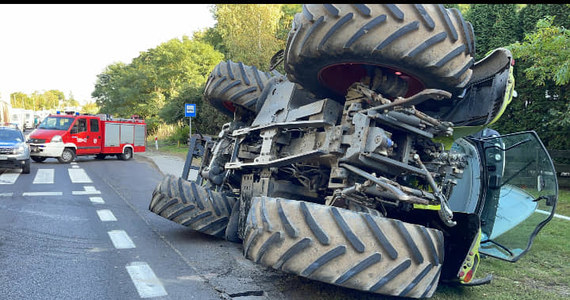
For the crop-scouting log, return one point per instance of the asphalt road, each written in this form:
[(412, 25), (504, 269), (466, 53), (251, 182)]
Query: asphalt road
[(77, 233)]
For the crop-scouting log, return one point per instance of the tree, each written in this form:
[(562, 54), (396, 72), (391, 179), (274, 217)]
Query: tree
[(249, 31), (18, 100), (213, 37), (495, 25), (90, 108), (286, 21), (548, 50), (51, 99), (208, 120), (546, 54), (542, 79), (531, 13), (154, 78)]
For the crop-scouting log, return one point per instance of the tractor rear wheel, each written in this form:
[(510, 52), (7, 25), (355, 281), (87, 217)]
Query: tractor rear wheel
[(191, 205), (342, 247), (405, 48), (233, 84)]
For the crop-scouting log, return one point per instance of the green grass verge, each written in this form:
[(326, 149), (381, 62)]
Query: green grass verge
[(168, 148), (563, 207), (542, 273)]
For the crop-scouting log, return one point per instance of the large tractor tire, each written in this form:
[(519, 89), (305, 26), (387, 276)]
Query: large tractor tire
[(231, 84), (412, 46), (191, 205), (342, 247)]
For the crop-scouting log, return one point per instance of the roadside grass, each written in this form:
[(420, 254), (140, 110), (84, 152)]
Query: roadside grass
[(542, 273), (563, 207), (175, 149)]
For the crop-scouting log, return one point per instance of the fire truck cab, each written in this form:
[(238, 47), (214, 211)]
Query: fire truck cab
[(66, 136)]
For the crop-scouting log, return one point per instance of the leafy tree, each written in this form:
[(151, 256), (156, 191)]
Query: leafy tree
[(213, 37), (276, 38), (542, 78), (109, 88), (250, 31), (52, 99), (548, 51), (546, 57), (90, 108), (531, 13), (495, 25), (286, 21), (18, 100), (154, 78), (208, 120)]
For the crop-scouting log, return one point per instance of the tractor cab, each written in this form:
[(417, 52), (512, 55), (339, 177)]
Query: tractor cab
[(517, 196), (520, 195)]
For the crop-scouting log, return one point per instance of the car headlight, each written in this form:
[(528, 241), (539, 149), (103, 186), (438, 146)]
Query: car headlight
[(56, 139), (20, 149)]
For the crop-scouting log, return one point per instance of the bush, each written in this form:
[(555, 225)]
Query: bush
[(179, 134), (163, 131)]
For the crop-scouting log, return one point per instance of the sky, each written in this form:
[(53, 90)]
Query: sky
[(65, 46)]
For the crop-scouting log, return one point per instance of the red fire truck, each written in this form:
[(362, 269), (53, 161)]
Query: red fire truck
[(65, 136)]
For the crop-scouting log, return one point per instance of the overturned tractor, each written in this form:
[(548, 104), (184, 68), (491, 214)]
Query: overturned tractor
[(368, 164)]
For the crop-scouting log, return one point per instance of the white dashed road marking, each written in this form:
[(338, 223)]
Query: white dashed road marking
[(6, 194), (42, 194), (121, 239), (106, 215), (146, 282), (44, 176), (88, 190), (97, 200), (78, 176)]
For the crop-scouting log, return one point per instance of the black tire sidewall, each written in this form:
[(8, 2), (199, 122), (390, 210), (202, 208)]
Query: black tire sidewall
[(318, 39), (127, 154), (26, 167), (38, 159)]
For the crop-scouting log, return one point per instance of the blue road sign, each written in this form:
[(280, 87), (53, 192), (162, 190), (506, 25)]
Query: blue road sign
[(189, 110)]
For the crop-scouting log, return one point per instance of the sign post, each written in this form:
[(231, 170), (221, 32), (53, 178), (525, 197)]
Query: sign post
[(190, 111)]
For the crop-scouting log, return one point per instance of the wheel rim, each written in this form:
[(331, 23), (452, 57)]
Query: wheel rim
[(67, 155), (339, 77)]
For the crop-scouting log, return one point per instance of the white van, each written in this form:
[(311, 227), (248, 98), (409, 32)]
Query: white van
[(17, 117), (28, 119)]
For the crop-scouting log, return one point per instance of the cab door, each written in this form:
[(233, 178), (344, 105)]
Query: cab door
[(94, 136), (86, 135)]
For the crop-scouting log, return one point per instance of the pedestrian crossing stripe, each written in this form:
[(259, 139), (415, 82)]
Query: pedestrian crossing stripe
[(8, 177), (45, 176)]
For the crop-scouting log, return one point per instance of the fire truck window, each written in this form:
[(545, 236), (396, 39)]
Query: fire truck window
[(94, 124), (81, 125)]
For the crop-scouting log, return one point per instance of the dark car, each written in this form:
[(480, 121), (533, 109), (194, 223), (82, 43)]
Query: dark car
[(14, 152)]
